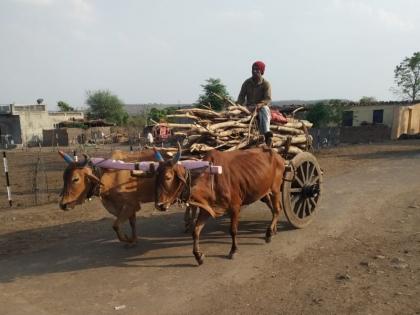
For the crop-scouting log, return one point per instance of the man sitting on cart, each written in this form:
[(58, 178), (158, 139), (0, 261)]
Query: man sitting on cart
[(256, 95)]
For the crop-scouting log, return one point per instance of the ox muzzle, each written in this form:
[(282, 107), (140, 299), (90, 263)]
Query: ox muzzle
[(162, 206), (67, 205)]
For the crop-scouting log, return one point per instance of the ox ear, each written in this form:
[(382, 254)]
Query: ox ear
[(158, 156), (177, 156), (66, 157), (95, 179)]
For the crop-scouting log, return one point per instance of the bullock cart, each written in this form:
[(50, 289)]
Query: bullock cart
[(235, 128), (301, 189)]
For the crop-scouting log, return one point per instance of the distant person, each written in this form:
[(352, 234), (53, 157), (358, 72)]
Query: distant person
[(149, 138), (256, 95)]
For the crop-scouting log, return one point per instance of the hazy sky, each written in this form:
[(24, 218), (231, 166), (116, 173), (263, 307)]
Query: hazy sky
[(162, 51)]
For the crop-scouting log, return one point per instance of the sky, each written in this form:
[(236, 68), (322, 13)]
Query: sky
[(163, 51)]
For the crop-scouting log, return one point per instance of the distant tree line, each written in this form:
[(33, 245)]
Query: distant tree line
[(102, 104)]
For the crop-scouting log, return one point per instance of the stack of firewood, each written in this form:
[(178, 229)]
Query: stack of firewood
[(235, 128)]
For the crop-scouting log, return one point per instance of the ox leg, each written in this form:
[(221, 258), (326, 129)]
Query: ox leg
[(122, 217), (275, 210), (201, 220), (234, 222), (190, 218), (187, 219), (133, 229)]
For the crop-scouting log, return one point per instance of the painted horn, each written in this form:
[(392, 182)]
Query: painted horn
[(158, 156), (66, 157), (177, 156), (86, 160)]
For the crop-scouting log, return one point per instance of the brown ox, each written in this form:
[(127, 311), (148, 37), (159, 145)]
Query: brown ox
[(247, 176), (120, 193)]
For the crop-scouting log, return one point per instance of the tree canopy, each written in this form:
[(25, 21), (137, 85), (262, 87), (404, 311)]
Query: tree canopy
[(105, 105), (159, 115), (323, 113), (138, 121), (64, 107), (407, 77), (365, 100), (208, 99)]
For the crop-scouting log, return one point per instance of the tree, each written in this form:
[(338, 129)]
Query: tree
[(105, 105), (337, 108), (323, 113), (64, 107), (137, 121), (319, 115), (209, 99), (159, 115), (407, 77), (365, 100)]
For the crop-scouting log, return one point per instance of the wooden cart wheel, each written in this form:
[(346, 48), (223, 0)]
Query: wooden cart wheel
[(301, 190)]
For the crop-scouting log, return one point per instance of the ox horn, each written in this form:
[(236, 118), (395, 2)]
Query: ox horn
[(66, 157), (86, 160), (177, 156), (158, 156)]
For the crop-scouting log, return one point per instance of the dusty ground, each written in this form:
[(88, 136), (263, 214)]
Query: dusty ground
[(360, 255)]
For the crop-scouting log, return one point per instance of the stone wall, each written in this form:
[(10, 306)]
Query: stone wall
[(32, 122), (57, 117), (54, 137), (365, 134)]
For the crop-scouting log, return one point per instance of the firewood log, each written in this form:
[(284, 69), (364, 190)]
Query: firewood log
[(287, 130), (199, 112)]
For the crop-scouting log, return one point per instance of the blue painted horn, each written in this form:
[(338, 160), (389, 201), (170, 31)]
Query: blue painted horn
[(158, 156), (66, 157)]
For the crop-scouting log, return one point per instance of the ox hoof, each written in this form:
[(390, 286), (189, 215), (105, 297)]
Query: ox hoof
[(199, 257), (232, 255), (268, 236), (130, 244)]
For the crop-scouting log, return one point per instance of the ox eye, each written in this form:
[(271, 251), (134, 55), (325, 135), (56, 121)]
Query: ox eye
[(75, 179)]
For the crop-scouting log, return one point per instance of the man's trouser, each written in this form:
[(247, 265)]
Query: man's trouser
[(264, 117)]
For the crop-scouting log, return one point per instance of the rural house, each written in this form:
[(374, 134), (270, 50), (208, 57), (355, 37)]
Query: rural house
[(23, 124), (390, 119)]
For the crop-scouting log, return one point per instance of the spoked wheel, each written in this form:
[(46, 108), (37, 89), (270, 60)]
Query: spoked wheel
[(301, 190)]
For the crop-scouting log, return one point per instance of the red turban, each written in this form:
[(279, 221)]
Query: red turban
[(260, 65)]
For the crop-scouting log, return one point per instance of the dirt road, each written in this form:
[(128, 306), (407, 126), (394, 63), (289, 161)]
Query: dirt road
[(360, 255)]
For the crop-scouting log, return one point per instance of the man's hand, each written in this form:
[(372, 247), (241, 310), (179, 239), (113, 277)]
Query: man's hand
[(259, 106)]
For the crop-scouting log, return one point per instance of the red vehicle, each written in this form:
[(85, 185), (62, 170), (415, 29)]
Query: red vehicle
[(161, 133)]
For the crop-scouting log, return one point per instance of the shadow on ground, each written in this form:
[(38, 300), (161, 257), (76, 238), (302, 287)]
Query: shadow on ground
[(88, 245), (383, 154)]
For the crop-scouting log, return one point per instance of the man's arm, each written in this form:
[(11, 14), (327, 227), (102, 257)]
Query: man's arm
[(266, 101)]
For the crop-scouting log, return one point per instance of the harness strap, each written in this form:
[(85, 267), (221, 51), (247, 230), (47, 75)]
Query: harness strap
[(186, 191), (95, 188)]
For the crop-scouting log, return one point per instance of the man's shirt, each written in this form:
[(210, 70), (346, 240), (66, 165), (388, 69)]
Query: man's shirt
[(255, 92)]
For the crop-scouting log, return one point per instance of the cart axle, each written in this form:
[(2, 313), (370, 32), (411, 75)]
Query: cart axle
[(309, 191)]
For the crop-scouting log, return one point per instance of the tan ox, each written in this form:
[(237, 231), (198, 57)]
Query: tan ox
[(120, 193), (247, 176)]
